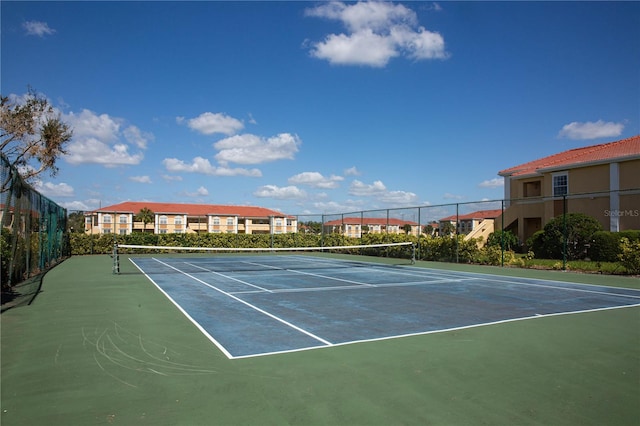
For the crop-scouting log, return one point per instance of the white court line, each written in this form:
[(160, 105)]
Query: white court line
[(228, 277), (262, 311)]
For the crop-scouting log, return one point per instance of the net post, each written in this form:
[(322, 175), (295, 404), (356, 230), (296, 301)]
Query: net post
[(413, 253), (116, 259)]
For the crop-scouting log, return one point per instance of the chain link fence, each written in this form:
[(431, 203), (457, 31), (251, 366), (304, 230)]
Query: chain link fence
[(34, 236)]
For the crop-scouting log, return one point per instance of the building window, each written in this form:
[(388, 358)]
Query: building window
[(163, 220), (278, 222), (229, 221), (123, 232), (216, 221), (178, 220), (162, 231), (560, 184), (106, 218), (123, 218)]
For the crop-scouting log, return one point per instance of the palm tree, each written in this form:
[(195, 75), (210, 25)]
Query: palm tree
[(145, 215)]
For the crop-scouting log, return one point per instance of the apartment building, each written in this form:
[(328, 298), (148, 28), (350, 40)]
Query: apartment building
[(601, 181), (356, 226), (178, 218), (479, 224)]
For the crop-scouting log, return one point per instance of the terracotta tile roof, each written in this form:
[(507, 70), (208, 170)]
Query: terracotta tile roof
[(370, 221), (480, 214), (626, 148), (190, 209)]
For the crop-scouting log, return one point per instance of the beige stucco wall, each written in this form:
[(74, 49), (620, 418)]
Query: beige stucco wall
[(629, 174)]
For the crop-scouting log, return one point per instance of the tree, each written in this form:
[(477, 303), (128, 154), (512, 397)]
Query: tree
[(447, 228), (498, 238), (75, 222), (145, 215), (32, 134), (407, 228)]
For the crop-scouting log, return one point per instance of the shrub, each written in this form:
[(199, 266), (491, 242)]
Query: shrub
[(493, 255), (605, 245), (630, 255)]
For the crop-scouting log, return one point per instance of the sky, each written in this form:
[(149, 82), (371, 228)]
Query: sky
[(318, 107)]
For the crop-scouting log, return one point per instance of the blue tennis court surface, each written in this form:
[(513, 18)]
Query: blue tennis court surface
[(258, 305)]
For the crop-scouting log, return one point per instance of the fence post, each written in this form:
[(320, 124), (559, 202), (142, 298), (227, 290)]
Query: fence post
[(565, 237), (456, 232), (502, 232)]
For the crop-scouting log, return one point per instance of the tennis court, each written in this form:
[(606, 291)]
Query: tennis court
[(250, 305)]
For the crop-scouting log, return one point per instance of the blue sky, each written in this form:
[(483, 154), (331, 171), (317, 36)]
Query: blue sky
[(319, 107)]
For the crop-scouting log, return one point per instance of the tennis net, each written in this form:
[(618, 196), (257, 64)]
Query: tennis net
[(223, 258)]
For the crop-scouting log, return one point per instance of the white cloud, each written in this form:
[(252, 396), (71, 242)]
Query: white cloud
[(252, 149), (200, 192), (378, 190), (352, 171), (316, 180), (98, 139), (281, 193), (398, 198), (492, 183), (78, 206), (140, 179), (95, 151), (361, 48), (170, 178), (336, 207), (591, 130), (377, 32), (361, 189), (209, 123), (54, 190), (37, 28), (137, 137), (203, 166), (88, 124)]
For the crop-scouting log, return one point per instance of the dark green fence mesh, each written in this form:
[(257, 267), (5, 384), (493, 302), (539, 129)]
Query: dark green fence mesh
[(34, 236)]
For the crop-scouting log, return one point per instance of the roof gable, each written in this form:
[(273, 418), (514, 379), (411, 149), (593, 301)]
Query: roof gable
[(607, 152), (478, 215)]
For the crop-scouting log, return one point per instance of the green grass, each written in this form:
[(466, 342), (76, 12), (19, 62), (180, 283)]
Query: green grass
[(611, 268)]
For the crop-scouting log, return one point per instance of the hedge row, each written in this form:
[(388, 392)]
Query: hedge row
[(606, 247)]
